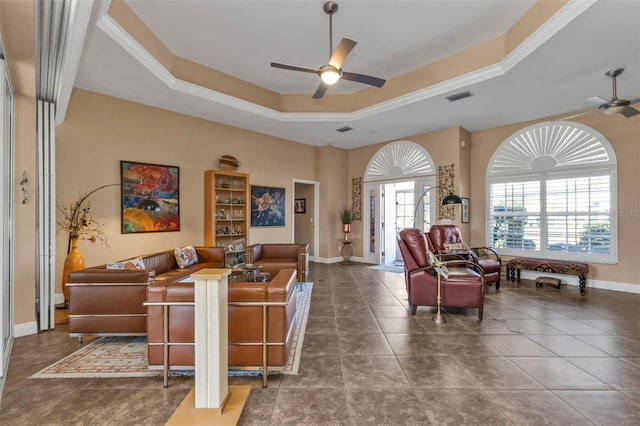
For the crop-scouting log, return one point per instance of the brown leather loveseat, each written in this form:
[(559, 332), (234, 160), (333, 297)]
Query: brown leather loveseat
[(110, 302), (272, 257), (248, 303)]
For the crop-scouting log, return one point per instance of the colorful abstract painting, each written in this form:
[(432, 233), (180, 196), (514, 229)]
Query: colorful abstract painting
[(150, 197), (267, 206)]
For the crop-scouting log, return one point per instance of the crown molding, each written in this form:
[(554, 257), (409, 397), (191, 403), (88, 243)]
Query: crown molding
[(552, 26)]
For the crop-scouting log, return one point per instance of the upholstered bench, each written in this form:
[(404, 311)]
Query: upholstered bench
[(548, 265)]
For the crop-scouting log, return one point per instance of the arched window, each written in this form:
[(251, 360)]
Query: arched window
[(552, 194)]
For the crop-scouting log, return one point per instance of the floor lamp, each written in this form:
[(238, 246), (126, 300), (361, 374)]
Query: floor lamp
[(448, 200)]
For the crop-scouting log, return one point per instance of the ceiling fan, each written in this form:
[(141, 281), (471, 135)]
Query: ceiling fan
[(615, 105), (332, 72)]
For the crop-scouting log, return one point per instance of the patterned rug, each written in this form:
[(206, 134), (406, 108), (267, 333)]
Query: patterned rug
[(127, 356)]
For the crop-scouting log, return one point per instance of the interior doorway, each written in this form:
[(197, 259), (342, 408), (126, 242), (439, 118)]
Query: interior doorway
[(392, 207), (306, 208)]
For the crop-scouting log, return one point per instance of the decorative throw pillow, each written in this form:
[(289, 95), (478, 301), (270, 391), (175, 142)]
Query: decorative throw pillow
[(442, 269), (185, 256), (135, 263), (456, 246)]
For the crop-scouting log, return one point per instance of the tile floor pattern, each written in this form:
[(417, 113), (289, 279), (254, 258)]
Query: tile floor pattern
[(541, 356)]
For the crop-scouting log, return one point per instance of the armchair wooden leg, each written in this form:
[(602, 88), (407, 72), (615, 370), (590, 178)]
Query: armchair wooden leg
[(413, 309)]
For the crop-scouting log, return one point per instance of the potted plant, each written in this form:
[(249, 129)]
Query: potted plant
[(346, 215)]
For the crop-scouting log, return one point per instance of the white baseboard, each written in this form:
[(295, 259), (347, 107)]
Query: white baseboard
[(573, 280), (339, 259), (25, 329)]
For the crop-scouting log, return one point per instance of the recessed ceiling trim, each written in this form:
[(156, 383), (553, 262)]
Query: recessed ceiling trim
[(540, 35), (568, 12)]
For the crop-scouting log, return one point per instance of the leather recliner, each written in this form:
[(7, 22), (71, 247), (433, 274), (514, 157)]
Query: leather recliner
[(488, 259), (464, 287)]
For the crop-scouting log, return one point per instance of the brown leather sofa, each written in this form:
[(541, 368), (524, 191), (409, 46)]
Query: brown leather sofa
[(110, 302), (273, 257), (464, 287), (488, 259), (246, 303)]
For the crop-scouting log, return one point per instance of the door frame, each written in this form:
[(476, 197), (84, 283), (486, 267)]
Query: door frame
[(316, 214)]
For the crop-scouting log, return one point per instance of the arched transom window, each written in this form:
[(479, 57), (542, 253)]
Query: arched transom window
[(551, 192)]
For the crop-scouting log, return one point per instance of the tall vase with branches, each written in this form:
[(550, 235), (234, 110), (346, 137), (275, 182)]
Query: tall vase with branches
[(77, 220)]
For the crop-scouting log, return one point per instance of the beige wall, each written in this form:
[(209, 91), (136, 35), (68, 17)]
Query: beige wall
[(333, 197), (16, 28), (25, 214), (623, 134), (100, 131)]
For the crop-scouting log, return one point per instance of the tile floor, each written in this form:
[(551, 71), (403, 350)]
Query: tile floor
[(541, 356)]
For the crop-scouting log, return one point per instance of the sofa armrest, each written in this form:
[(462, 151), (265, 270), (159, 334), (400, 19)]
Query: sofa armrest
[(253, 253), (486, 252)]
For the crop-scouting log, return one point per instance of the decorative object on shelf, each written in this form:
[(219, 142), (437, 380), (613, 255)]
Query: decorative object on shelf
[(300, 205), (268, 206), (356, 198), (150, 197), (23, 187), (228, 162), (446, 182), (77, 220), (346, 216), (464, 210)]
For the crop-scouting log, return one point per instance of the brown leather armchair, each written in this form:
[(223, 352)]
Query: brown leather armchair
[(464, 287), (488, 259)]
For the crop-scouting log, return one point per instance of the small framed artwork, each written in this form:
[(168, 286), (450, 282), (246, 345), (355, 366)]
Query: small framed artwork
[(267, 206), (300, 205), (464, 210), (150, 197)]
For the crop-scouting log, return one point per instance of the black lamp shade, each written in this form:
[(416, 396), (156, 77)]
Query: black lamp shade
[(451, 199)]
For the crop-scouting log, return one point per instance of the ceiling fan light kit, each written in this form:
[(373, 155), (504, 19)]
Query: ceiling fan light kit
[(332, 72)]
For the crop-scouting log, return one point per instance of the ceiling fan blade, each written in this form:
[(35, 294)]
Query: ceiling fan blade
[(598, 100), (634, 101), (629, 112), (340, 54), (322, 89), (366, 79), (293, 68), (580, 114)]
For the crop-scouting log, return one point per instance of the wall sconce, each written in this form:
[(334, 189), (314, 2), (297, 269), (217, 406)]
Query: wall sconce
[(23, 187)]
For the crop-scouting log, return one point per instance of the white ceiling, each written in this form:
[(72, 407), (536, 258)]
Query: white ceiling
[(552, 73)]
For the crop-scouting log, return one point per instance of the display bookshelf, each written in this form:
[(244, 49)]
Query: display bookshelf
[(226, 213)]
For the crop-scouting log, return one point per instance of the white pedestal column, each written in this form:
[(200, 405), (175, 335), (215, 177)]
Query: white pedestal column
[(211, 338)]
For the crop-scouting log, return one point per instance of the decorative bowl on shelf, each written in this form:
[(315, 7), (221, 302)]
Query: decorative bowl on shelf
[(228, 162)]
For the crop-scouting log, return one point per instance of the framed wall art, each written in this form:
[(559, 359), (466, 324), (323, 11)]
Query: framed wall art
[(300, 205), (150, 197), (267, 206), (464, 210)]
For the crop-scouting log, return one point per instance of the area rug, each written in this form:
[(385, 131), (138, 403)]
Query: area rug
[(127, 356), (388, 268)]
